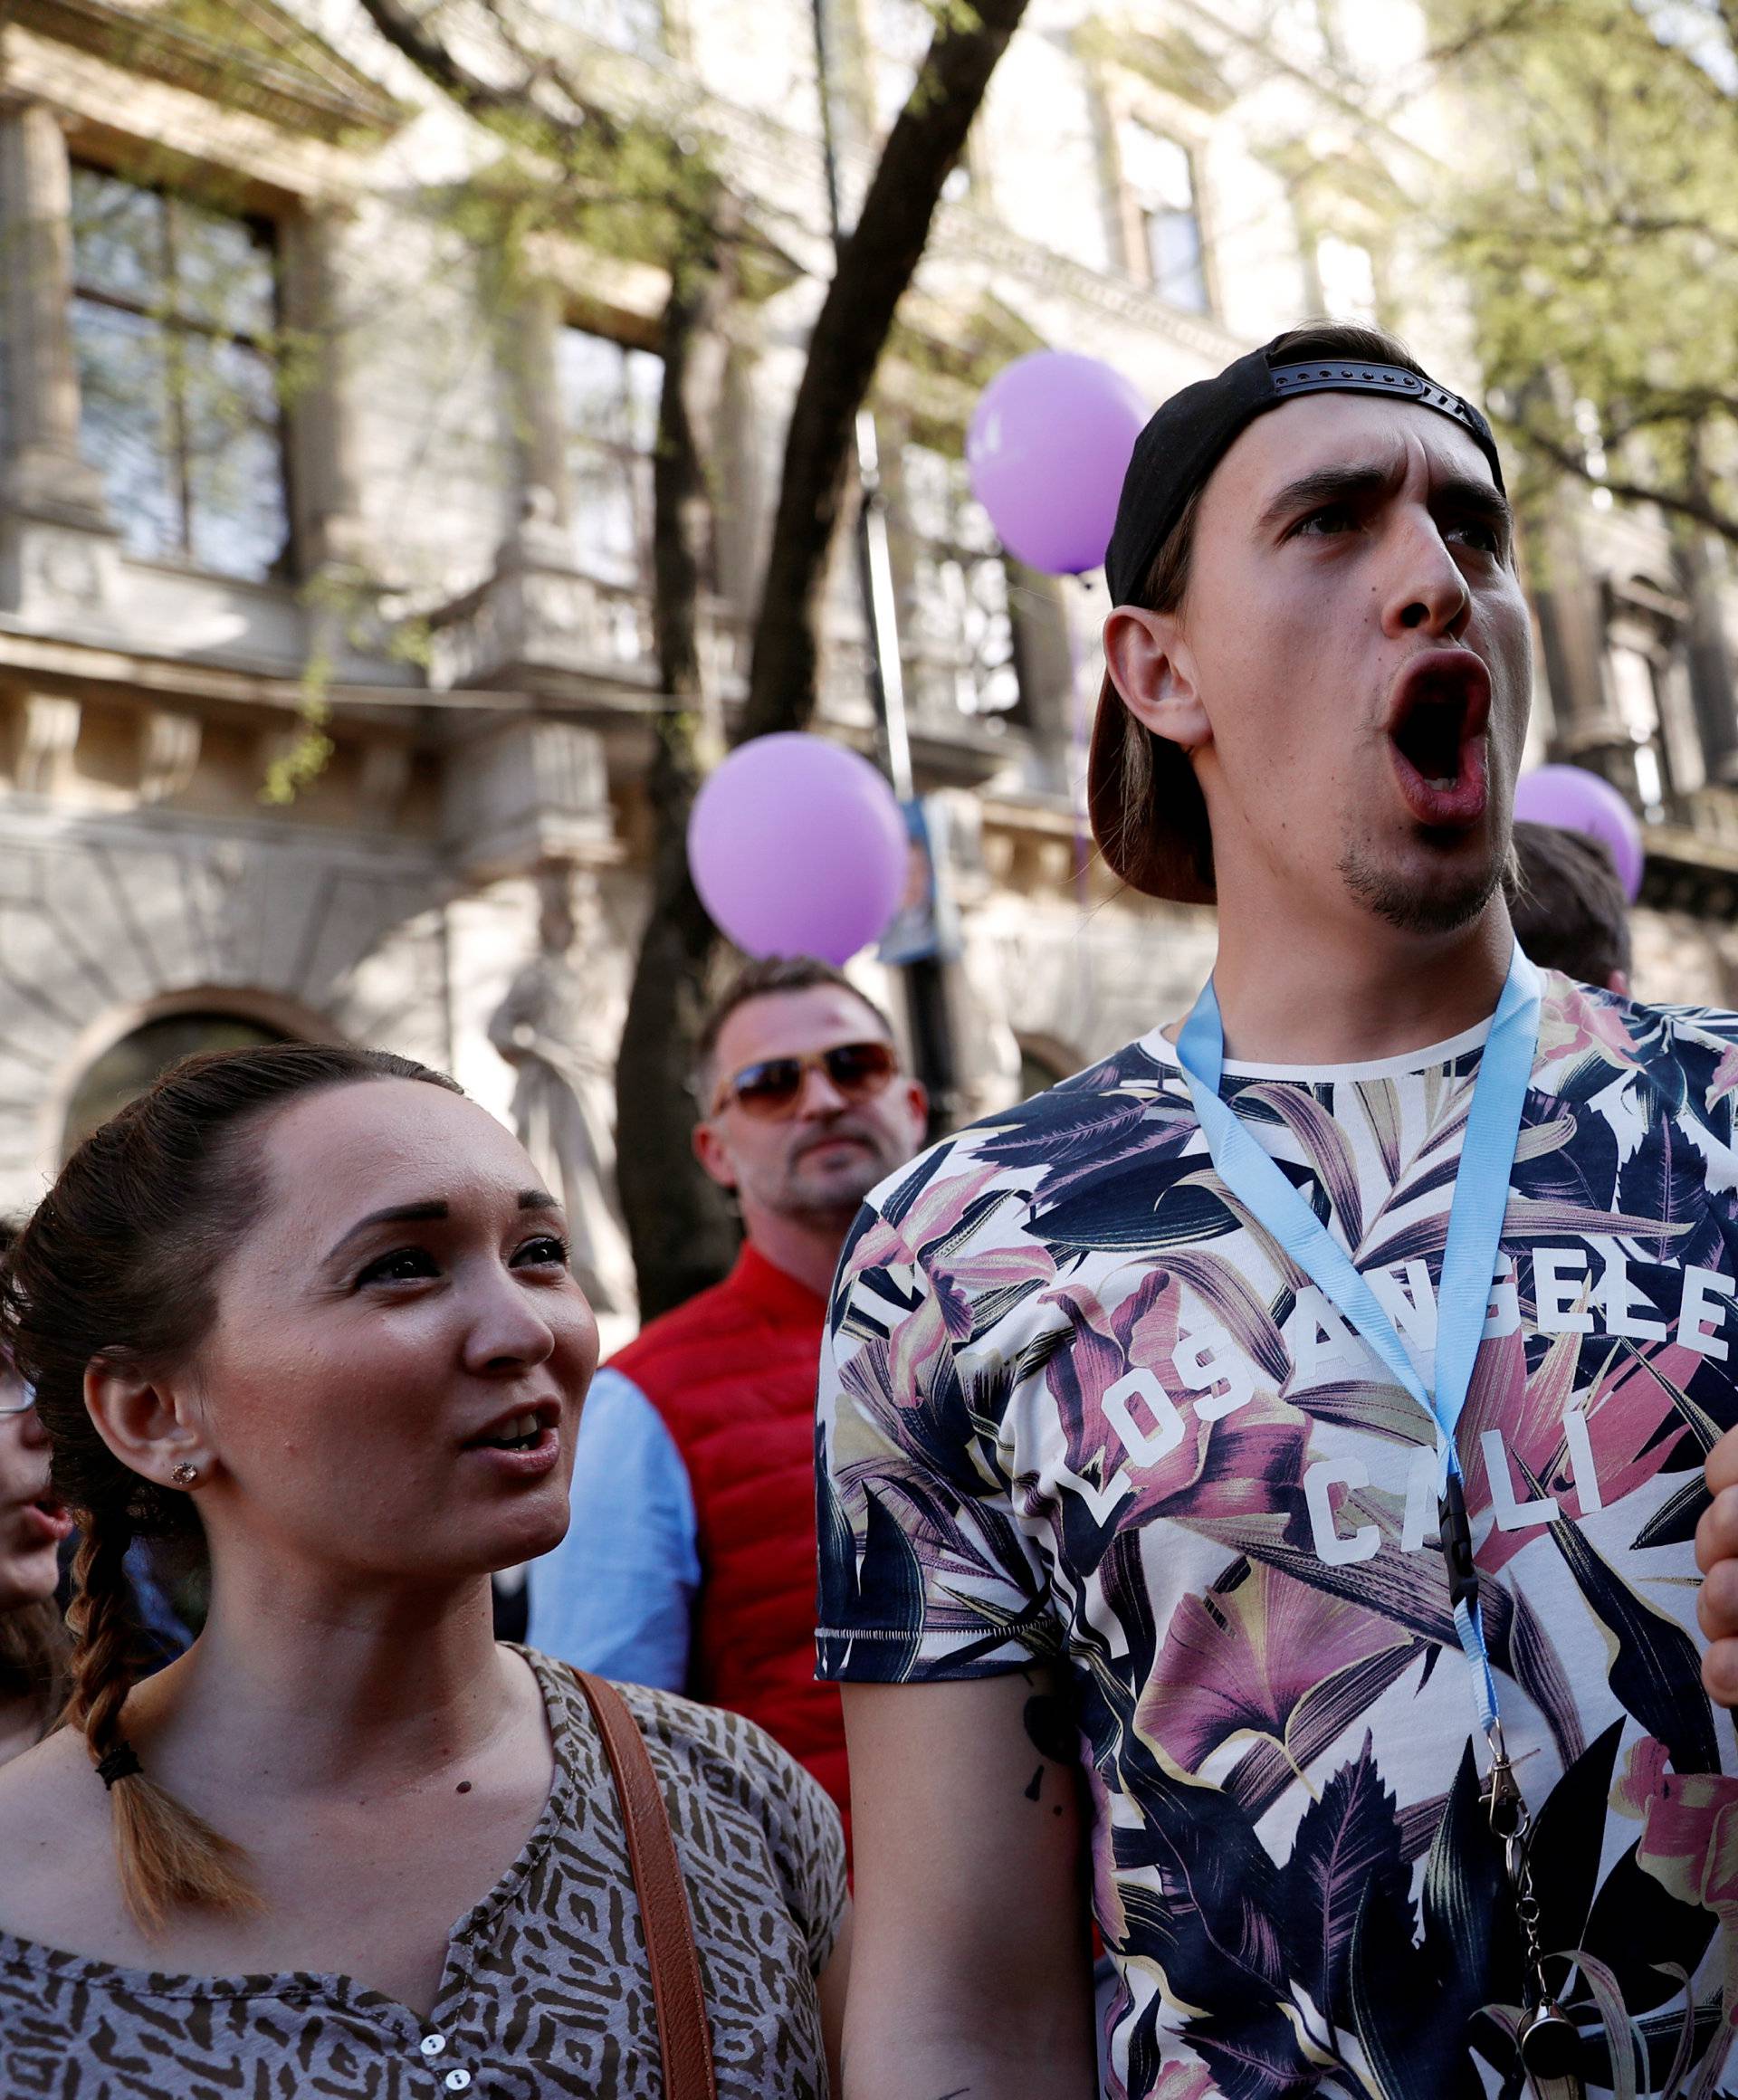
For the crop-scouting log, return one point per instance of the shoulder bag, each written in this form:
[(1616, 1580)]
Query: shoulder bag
[(685, 2040)]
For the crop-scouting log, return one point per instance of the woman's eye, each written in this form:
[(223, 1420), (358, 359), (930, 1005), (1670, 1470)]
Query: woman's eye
[(402, 1266), (545, 1251)]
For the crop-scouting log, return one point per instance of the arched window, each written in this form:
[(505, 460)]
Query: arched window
[(129, 1066)]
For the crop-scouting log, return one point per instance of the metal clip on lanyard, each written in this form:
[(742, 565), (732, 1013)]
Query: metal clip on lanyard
[(1551, 2043), (1548, 2037)]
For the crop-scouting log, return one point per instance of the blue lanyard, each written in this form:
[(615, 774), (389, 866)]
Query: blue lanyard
[(1469, 1263)]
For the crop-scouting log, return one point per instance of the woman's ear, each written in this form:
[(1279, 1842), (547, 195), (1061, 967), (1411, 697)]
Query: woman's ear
[(1151, 667), (143, 1423)]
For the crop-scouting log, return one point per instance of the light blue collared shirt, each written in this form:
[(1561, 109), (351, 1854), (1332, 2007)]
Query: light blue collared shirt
[(616, 1595)]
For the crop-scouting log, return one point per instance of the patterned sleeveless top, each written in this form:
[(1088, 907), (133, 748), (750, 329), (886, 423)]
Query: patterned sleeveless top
[(545, 1989)]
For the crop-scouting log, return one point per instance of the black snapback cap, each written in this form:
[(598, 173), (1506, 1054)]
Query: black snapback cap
[(1173, 457)]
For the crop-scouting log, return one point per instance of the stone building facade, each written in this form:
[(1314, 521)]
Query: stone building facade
[(325, 669)]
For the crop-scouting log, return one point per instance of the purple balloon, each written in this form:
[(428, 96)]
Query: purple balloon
[(1047, 449), (1575, 800), (798, 847)]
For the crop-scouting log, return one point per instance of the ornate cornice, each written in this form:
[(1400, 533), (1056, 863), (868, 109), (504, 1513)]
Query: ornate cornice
[(245, 54), (770, 152)]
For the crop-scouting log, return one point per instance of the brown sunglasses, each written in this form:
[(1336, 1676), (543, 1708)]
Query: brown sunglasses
[(772, 1088)]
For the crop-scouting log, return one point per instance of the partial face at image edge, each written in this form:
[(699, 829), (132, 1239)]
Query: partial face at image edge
[(32, 1521)]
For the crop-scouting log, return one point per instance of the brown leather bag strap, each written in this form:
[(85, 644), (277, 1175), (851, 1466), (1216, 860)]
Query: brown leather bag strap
[(685, 2040)]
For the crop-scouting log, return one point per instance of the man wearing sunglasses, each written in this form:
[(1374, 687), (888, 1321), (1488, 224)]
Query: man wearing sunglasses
[(690, 1561)]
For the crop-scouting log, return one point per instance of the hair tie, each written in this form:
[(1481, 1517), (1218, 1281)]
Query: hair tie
[(120, 1763)]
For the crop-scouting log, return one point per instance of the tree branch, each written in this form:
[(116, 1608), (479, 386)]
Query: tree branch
[(1727, 12), (1688, 410), (681, 1237), (405, 29), (678, 1224), (876, 262), (1676, 503), (1515, 18)]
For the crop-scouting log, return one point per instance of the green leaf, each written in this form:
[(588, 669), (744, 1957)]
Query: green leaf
[(1143, 1211), (1569, 1839), (1348, 1836), (1674, 1523), (1623, 2043), (1410, 2003), (1654, 1666), (892, 1580)]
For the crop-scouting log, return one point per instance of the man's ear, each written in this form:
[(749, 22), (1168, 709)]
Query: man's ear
[(917, 1101), (150, 1428), (714, 1158), (1151, 667)]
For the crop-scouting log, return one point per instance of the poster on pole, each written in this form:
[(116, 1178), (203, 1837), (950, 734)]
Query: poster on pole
[(926, 926)]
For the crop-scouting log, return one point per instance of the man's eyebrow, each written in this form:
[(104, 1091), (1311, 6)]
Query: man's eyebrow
[(1462, 493), (1346, 484), (1335, 484)]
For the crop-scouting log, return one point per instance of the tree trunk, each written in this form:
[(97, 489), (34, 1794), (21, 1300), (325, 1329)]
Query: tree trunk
[(876, 263), (678, 1224), (680, 1227), (672, 1211)]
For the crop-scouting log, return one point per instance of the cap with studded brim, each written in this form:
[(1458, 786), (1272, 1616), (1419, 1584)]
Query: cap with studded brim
[(1174, 456)]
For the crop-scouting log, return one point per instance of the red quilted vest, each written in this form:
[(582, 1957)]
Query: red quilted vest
[(732, 1373)]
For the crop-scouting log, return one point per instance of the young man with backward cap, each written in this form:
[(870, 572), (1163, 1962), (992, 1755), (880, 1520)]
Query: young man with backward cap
[(1259, 1476)]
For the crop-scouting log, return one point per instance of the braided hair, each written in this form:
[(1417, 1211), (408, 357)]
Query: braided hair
[(118, 1266)]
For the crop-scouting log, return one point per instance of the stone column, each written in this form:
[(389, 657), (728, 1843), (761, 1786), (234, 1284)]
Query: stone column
[(542, 536), (1574, 605), (326, 482), (523, 793), (44, 474), (1714, 689)]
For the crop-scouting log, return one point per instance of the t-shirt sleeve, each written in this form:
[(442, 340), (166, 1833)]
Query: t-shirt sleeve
[(925, 1573)]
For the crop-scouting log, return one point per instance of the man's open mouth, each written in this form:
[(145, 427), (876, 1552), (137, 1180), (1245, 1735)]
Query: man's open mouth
[(1439, 722)]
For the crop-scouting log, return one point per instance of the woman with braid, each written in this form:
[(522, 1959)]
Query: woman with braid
[(309, 1303)]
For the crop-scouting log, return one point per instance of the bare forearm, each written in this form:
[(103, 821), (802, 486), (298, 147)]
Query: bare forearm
[(972, 1970), (887, 2058)]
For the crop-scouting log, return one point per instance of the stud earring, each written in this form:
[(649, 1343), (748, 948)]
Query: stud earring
[(185, 1474)]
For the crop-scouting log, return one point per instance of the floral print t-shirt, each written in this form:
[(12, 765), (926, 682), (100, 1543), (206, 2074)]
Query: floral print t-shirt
[(1075, 1405)]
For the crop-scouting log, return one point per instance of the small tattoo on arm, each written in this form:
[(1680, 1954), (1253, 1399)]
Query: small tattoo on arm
[(1049, 1728), (1036, 1787)]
